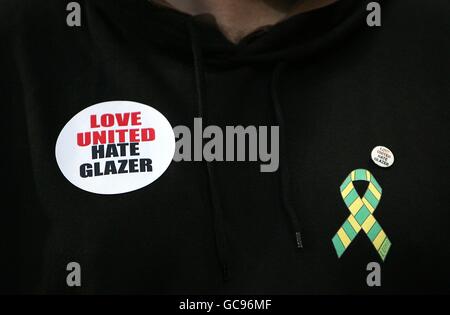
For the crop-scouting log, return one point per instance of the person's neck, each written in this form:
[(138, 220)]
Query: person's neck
[(238, 18)]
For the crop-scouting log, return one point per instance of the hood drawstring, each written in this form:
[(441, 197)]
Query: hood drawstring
[(200, 83), (201, 102), (284, 168)]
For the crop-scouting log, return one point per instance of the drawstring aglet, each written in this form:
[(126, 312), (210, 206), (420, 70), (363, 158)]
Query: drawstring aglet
[(298, 237)]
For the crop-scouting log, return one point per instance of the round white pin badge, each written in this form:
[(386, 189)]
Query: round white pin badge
[(382, 156)]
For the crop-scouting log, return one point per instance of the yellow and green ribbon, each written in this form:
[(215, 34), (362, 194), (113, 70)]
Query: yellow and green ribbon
[(361, 214)]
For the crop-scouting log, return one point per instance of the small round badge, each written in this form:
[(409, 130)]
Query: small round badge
[(382, 156)]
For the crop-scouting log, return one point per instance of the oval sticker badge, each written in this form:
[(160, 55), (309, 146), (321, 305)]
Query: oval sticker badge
[(115, 147)]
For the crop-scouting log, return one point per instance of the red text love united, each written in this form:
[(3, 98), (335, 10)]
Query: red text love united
[(115, 132)]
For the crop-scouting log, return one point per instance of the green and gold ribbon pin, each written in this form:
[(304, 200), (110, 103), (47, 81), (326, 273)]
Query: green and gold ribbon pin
[(361, 214)]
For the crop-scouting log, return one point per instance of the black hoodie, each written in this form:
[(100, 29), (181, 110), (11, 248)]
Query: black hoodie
[(336, 88)]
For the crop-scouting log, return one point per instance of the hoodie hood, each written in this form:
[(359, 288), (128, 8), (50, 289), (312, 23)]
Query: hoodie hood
[(291, 39), (198, 41)]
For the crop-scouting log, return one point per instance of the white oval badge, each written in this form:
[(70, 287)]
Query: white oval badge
[(382, 156), (115, 147)]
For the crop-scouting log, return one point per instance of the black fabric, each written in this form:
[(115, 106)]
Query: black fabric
[(343, 89), (284, 169), (219, 229)]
